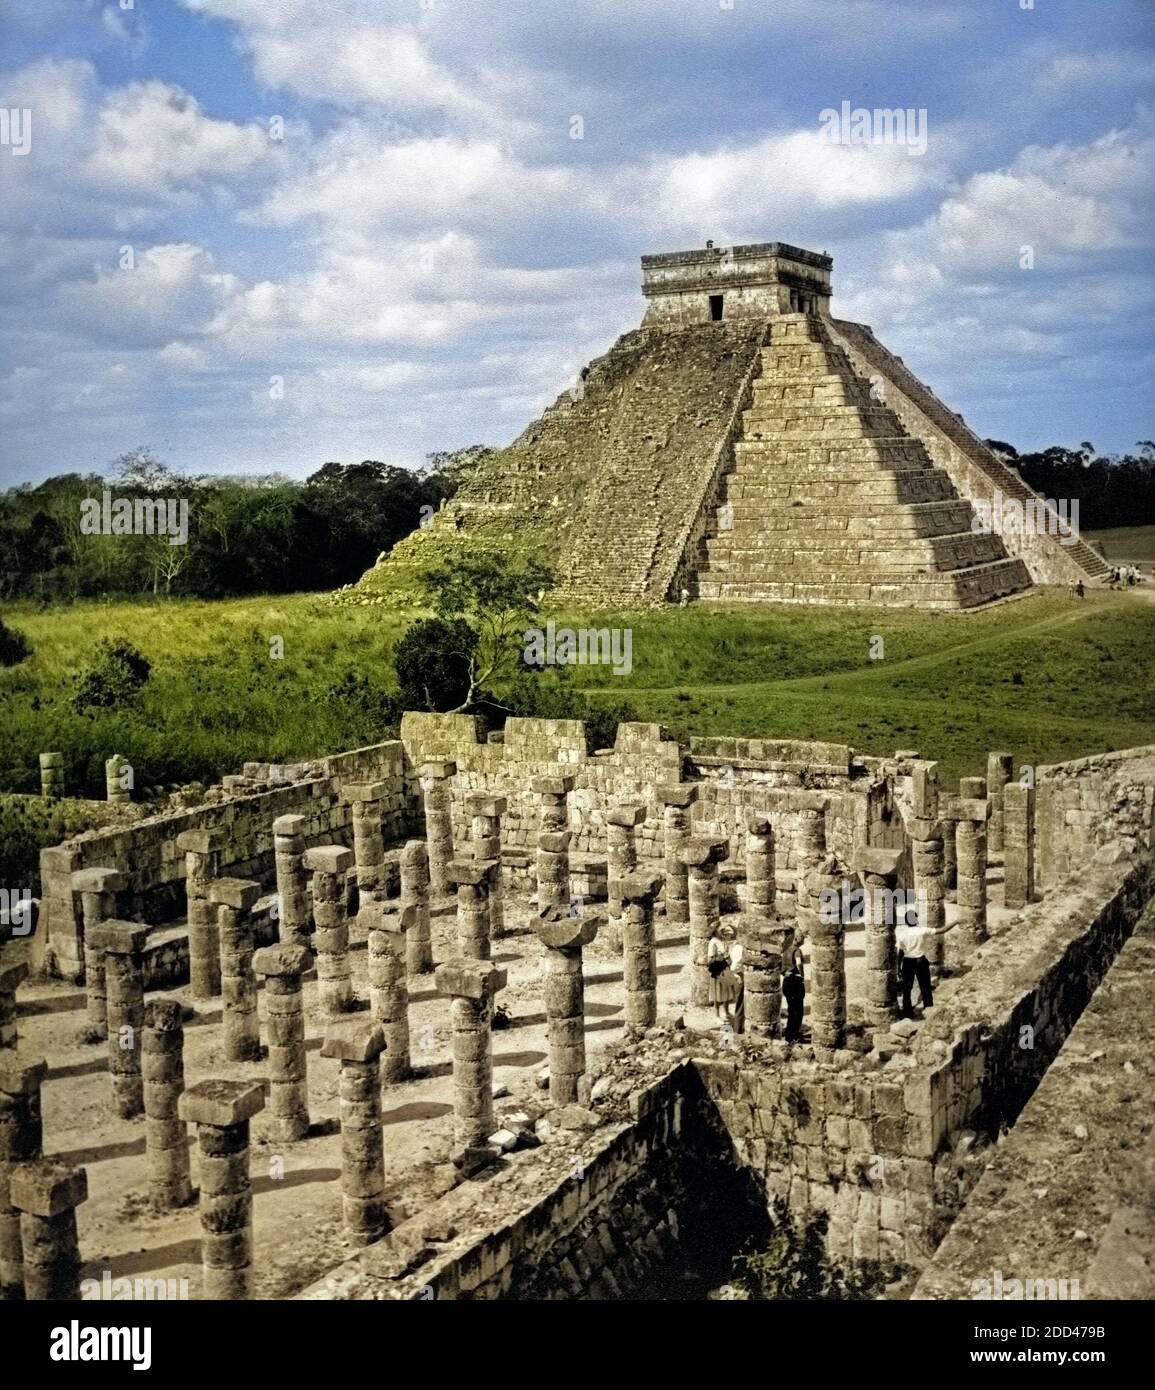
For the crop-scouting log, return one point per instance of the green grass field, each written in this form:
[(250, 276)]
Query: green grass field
[(1127, 545), (1048, 677)]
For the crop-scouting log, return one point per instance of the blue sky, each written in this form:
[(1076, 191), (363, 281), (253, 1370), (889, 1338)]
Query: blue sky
[(427, 257)]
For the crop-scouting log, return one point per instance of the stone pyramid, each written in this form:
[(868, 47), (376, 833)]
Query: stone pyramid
[(743, 445)]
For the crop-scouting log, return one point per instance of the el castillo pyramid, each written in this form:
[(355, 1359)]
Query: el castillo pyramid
[(743, 445)]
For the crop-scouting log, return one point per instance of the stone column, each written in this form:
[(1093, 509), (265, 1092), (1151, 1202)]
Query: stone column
[(98, 889), (949, 857), (563, 937), (926, 831), (765, 942), (221, 1111), (203, 851), (811, 838), (827, 934), (438, 823), (282, 967), (114, 786), (474, 880), (388, 989), (471, 986), (676, 801), (52, 775), (878, 873), (122, 944), (415, 895), (1018, 845), (21, 1141), (971, 927), (760, 892), (166, 1139), (553, 869), (234, 899), (357, 1044), (485, 814), (329, 865), (553, 808), (972, 788), (368, 835), (621, 855), (702, 858), (11, 976), (295, 922), (640, 956), (46, 1194), (1000, 770)]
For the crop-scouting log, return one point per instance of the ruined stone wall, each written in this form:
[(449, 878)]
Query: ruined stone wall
[(147, 852), (777, 777), (1084, 805)]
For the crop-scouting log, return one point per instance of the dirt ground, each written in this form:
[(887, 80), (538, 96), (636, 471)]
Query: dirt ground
[(298, 1233)]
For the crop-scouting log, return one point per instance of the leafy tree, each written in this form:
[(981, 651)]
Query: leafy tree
[(433, 662), (496, 594), (795, 1265), (14, 646), (117, 678)]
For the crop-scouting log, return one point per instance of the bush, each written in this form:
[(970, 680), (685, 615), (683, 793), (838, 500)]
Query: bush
[(363, 712), (549, 694), (795, 1265), (432, 664), (14, 646), (116, 679)]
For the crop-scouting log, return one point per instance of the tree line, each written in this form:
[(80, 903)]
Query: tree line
[(1112, 490), (245, 534)]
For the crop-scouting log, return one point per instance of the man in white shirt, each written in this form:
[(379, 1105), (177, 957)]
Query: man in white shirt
[(912, 940)]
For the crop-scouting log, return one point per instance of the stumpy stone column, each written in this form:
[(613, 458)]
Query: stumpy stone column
[(234, 899), (358, 1044), (295, 921), (221, 1111), (827, 934), (1000, 770), (46, 1194), (765, 942), (810, 840), (471, 986), (677, 801), (415, 895), (166, 1139), (926, 831), (21, 1141), (52, 775), (949, 851), (564, 937), (116, 785), (202, 849), (282, 967), (368, 835), (11, 976), (760, 890), (878, 872), (474, 879), (98, 889), (1018, 845), (702, 858), (621, 854), (971, 928), (388, 986), (639, 954), (553, 869), (122, 944), (438, 823), (485, 814), (329, 865), (553, 802)]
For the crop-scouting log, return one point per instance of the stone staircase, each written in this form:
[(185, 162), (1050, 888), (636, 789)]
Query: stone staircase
[(829, 500)]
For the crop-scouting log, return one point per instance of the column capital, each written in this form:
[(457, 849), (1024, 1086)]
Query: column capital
[(469, 979), (221, 1103)]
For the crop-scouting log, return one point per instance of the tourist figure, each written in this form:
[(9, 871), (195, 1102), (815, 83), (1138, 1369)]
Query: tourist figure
[(794, 992), (1079, 590), (725, 985), (911, 938)]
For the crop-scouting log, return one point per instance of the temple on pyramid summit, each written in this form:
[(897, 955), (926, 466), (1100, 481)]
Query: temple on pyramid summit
[(743, 446)]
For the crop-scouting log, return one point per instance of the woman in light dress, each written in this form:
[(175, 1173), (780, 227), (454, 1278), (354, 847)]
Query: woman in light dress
[(724, 963)]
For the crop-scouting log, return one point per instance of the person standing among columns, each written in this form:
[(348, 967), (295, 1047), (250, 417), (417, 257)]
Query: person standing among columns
[(702, 858)]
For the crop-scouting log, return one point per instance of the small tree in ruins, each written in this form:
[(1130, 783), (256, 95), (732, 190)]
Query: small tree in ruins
[(496, 594)]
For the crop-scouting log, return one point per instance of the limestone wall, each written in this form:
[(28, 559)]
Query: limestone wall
[(1084, 805)]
